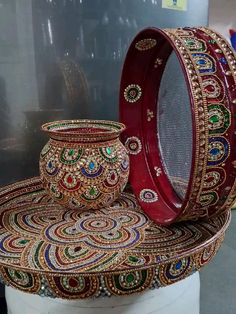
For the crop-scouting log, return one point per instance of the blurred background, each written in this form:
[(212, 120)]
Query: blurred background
[(63, 59)]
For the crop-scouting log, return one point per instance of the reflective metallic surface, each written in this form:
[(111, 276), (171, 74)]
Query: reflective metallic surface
[(63, 59)]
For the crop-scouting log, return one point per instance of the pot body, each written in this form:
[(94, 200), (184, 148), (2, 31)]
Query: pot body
[(84, 175)]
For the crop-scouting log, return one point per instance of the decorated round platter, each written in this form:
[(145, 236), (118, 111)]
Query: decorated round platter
[(178, 102), (48, 250)]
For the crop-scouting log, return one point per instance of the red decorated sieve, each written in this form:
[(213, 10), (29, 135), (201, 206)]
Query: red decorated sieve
[(182, 147)]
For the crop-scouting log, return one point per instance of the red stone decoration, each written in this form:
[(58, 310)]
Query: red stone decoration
[(84, 165), (209, 65)]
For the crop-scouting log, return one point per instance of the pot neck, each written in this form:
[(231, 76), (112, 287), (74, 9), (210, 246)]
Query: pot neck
[(83, 141)]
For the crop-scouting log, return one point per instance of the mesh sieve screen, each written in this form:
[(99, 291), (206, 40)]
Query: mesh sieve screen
[(175, 126)]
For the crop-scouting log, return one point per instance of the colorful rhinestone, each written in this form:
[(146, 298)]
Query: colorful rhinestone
[(84, 165), (112, 251), (204, 62), (194, 44), (219, 119), (218, 151)]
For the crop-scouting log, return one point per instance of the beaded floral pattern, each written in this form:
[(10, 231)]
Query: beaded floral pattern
[(52, 251)]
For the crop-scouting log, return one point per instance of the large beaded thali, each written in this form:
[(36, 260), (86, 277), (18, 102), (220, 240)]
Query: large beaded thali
[(51, 251)]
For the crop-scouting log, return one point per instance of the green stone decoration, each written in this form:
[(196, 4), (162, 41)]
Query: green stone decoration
[(92, 191), (71, 152), (219, 119), (209, 198), (212, 41), (70, 156), (109, 150), (91, 194), (195, 45), (130, 278), (133, 259), (23, 241), (214, 119), (131, 281), (109, 154)]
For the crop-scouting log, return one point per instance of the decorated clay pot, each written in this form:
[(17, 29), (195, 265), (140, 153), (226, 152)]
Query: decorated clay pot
[(84, 165)]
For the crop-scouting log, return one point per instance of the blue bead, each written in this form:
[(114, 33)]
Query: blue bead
[(178, 265), (50, 164), (223, 60), (201, 61), (91, 165), (215, 151)]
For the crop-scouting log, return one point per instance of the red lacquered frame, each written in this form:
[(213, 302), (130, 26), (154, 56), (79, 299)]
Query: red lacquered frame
[(209, 66)]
